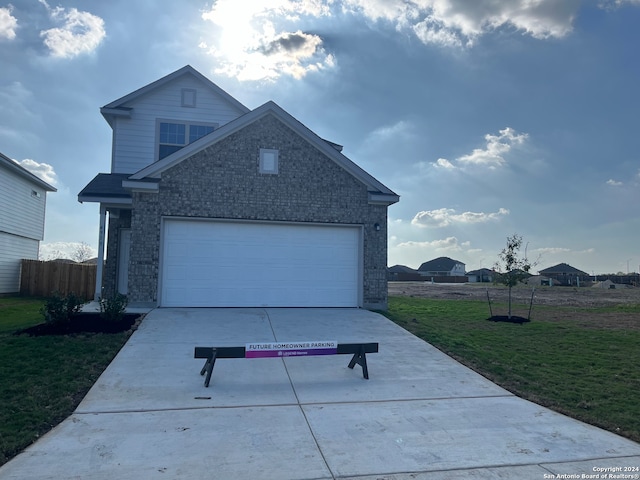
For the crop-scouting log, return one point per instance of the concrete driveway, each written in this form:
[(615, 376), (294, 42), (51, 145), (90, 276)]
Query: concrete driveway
[(421, 415)]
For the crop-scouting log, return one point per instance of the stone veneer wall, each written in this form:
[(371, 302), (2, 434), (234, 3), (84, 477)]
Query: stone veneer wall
[(223, 181)]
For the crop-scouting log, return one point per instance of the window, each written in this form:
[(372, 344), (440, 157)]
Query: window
[(268, 161), (173, 136), (188, 97)]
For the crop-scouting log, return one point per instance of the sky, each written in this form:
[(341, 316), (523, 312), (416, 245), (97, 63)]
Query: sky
[(489, 118)]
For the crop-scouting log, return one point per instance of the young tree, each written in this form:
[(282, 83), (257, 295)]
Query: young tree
[(512, 268)]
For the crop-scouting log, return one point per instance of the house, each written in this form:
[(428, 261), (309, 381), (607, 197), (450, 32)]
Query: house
[(211, 204), (442, 267), (23, 199), (482, 275), (402, 273), (564, 274)]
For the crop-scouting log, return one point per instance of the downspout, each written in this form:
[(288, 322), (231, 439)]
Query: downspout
[(100, 262)]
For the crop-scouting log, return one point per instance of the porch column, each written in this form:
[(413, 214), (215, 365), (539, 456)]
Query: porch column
[(100, 262)]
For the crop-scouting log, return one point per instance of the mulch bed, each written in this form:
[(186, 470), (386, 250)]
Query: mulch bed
[(84, 323), (506, 318)]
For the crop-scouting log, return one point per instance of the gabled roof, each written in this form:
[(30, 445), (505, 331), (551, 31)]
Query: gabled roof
[(378, 193), (440, 264), (117, 107), (402, 269), (562, 268), (24, 173)]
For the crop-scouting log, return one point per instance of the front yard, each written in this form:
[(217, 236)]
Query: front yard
[(583, 362), (43, 379)]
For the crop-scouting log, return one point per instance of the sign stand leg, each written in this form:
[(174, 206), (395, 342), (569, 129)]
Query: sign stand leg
[(361, 359), (208, 367)]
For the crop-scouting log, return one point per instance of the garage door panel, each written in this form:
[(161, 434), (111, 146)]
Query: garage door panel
[(208, 263)]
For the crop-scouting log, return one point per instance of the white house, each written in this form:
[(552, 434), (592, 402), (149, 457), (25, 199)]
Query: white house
[(23, 198)]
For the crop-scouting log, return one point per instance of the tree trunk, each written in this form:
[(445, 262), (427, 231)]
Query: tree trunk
[(509, 303)]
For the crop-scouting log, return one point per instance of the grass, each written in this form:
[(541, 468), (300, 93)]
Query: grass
[(587, 370), (43, 379)]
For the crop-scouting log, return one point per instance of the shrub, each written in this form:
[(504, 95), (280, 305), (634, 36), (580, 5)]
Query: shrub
[(58, 309), (112, 309)]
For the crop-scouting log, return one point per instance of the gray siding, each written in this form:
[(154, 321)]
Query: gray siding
[(21, 212), (223, 181), (134, 145), (12, 250)]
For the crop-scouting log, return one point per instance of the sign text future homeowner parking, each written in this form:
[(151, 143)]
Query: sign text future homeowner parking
[(291, 349)]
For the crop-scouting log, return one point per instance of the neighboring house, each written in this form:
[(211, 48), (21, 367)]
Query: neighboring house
[(564, 274), (402, 273), (442, 267), (212, 204), (23, 199), (482, 275)]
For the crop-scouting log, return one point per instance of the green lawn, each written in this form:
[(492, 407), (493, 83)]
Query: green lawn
[(579, 362), (42, 379)]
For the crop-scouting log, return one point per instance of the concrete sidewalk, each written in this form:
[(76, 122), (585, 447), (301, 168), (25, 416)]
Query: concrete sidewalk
[(421, 415)]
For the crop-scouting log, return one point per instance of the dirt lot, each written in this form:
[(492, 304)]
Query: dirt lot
[(583, 297)]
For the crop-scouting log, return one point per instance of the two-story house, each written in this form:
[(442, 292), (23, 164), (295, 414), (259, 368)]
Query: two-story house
[(23, 200), (209, 203), (442, 267)]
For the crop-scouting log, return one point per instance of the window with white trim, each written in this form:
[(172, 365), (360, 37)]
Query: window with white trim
[(172, 136), (268, 163)]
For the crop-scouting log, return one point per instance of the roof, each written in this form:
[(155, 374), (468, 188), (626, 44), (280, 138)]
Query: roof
[(18, 169), (106, 187), (562, 268), (118, 108), (378, 193), (440, 264), (402, 269), (481, 271)]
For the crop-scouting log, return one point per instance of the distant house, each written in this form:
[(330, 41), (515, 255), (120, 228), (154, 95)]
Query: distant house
[(23, 198), (402, 273), (564, 274), (442, 267), (483, 275)]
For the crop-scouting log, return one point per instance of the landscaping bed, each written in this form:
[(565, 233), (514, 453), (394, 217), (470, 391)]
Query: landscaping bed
[(84, 323)]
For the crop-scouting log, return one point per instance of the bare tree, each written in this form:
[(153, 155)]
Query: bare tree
[(511, 267), (81, 253)]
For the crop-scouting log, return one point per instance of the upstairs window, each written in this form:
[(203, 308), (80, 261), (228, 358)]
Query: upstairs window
[(173, 136)]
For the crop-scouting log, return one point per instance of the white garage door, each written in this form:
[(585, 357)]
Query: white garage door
[(229, 264)]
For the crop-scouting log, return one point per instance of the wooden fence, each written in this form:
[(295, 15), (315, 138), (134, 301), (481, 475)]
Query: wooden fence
[(41, 279)]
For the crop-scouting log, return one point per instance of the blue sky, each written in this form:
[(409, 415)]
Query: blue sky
[(488, 117)]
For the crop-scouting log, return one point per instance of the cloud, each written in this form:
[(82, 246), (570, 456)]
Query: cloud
[(251, 42), (449, 244), (66, 250), (81, 32), (40, 170), (614, 183), (458, 23), (447, 216), (612, 4), (445, 164), (8, 23), (497, 146)]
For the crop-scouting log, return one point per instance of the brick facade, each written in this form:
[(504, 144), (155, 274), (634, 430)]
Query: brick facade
[(223, 181)]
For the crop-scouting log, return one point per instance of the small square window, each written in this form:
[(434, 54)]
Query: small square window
[(268, 161), (188, 97)]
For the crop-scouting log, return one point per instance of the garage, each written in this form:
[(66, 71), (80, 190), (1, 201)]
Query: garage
[(259, 264)]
